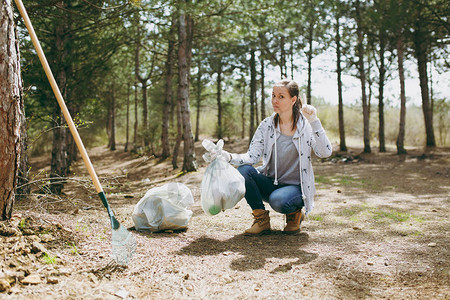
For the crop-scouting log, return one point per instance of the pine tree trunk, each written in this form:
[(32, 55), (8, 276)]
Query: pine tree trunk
[(362, 76), (59, 166), (23, 189), (382, 146), (184, 60), (244, 102), (136, 123), (176, 147), (342, 145), (292, 59), (167, 105), (144, 82), (11, 115), (252, 93), (64, 47), (421, 55), (256, 110), (128, 119), (263, 93), (112, 143), (199, 101), (109, 120), (401, 74), (145, 130), (310, 56), (283, 68), (219, 99)]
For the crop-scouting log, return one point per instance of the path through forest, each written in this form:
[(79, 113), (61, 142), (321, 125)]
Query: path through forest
[(379, 230)]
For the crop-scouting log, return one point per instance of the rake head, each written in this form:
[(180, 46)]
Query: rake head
[(123, 244)]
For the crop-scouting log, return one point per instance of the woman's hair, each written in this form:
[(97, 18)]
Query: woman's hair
[(293, 90)]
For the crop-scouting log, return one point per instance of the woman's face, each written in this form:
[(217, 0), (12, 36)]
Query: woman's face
[(282, 102)]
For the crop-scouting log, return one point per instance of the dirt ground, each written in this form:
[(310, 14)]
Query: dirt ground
[(380, 229)]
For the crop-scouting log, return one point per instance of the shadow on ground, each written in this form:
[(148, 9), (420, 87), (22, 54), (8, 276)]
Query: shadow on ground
[(254, 251)]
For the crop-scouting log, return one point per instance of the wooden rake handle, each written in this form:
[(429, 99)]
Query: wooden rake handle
[(59, 97)]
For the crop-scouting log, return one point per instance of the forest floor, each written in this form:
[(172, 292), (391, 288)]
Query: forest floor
[(380, 229)]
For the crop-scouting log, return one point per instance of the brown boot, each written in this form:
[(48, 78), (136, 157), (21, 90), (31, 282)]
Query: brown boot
[(261, 225), (293, 221)]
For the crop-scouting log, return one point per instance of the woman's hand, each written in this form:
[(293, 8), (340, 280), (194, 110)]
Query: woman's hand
[(310, 112), (213, 155)]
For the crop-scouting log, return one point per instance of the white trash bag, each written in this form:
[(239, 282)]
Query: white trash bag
[(164, 208), (222, 185)]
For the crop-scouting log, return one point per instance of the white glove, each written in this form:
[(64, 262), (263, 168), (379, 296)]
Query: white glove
[(310, 112), (212, 155), (226, 155)]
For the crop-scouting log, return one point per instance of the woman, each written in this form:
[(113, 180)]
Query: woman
[(284, 142)]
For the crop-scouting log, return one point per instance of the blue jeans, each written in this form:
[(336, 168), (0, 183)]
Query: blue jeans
[(282, 198)]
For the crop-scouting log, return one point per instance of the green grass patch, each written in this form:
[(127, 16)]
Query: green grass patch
[(415, 233), (315, 217), (354, 219), (322, 179), (365, 212), (22, 223), (393, 215), (73, 248), (352, 211), (49, 259)]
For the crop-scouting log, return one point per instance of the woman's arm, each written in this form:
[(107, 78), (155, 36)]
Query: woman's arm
[(254, 152), (319, 140)]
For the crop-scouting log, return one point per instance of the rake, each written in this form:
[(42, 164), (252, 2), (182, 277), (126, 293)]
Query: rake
[(123, 242)]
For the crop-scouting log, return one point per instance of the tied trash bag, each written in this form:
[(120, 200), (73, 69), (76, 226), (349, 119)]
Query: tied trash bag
[(164, 208), (222, 185)]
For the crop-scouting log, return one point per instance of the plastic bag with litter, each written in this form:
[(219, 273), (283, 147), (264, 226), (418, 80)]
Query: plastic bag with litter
[(222, 185), (164, 208)]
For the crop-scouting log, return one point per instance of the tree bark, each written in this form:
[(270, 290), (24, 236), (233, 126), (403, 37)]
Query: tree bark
[(176, 147), (23, 189), (145, 130), (11, 115), (401, 75), (199, 100), (421, 55), (219, 98), (128, 119), (144, 82), (283, 66), (244, 102), (310, 55), (59, 163), (66, 65), (342, 145), (263, 93), (167, 105), (362, 76), (136, 123), (184, 64), (58, 168), (382, 76), (252, 93), (292, 59), (112, 142)]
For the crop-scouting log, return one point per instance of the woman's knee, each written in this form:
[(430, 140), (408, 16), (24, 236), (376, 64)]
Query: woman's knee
[(246, 171), (285, 204)]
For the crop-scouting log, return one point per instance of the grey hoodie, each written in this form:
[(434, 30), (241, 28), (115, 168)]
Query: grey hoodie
[(307, 136)]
